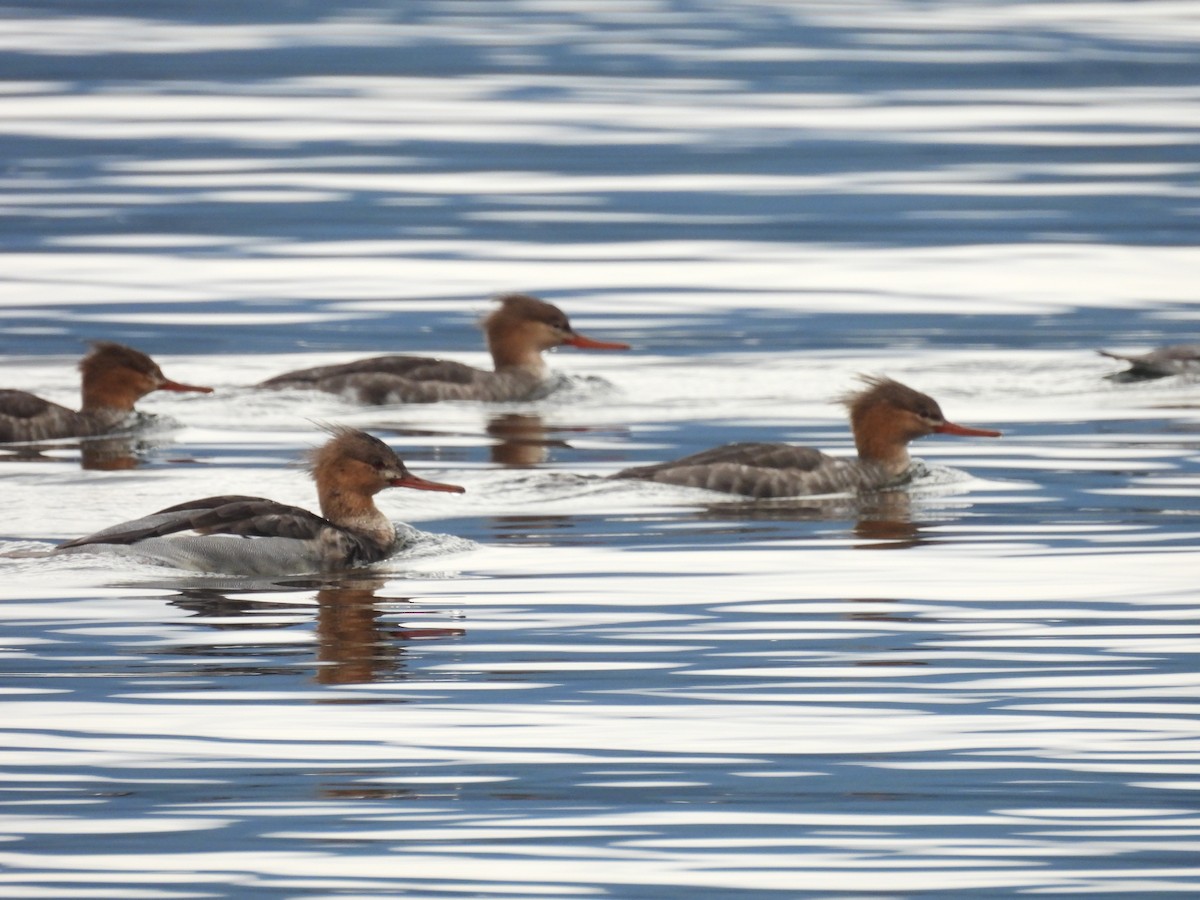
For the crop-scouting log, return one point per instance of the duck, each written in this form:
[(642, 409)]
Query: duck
[(885, 416), (1175, 359), (239, 535), (517, 332), (114, 377)]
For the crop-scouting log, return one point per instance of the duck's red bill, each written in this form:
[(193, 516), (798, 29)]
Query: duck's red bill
[(176, 386), (587, 343), (951, 428), (420, 484)]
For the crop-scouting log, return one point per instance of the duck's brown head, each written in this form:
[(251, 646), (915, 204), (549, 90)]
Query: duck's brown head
[(116, 377), (353, 462), (523, 326), (885, 415)]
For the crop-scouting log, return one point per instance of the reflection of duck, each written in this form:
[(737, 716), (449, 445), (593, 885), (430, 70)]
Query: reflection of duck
[(114, 378), (255, 536), (882, 518), (535, 530), (522, 440), (350, 647), (355, 643), (1176, 359), (358, 640), (110, 454), (104, 454), (891, 527), (884, 417), (517, 333)]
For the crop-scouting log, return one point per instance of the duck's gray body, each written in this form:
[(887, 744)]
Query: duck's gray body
[(236, 535), (28, 417), (763, 470), (383, 380)]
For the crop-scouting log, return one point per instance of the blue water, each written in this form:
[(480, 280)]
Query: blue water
[(574, 687)]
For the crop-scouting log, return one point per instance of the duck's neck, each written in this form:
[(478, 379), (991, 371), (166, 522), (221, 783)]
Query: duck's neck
[(357, 512), (511, 354), (103, 392), (880, 442)]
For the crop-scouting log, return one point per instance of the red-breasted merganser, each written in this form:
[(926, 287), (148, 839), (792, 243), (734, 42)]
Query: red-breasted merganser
[(114, 378), (1176, 359), (517, 333), (884, 417), (253, 536)]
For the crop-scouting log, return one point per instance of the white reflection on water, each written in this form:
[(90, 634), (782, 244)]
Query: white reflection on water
[(576, 687)]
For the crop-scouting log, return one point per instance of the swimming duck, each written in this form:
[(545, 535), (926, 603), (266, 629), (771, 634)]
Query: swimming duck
[(114, 377), (884, 416), (517, 332), (1176, 359), (255, 536)]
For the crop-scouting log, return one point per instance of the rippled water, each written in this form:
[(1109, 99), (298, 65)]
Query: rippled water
[(574, 687)]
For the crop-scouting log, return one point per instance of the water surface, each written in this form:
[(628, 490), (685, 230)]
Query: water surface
[(575, 687)]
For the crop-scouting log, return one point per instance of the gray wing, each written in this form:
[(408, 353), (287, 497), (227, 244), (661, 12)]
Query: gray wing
[(415, 368), (27, 417), (236, 515), (23, 405), (751, 454), (750, 469)]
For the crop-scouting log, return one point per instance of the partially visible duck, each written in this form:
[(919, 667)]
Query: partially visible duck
[(254, 536), (114, 378), (884, 416), (1176, 359), (517, 333)]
